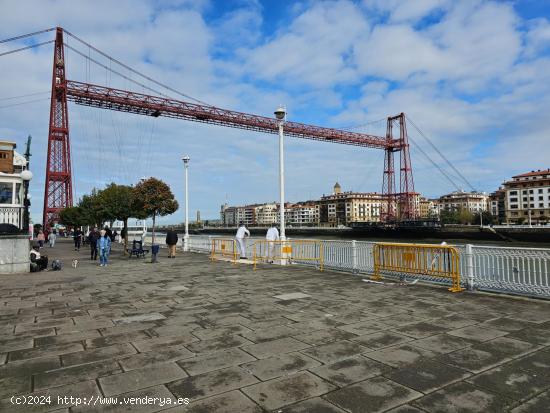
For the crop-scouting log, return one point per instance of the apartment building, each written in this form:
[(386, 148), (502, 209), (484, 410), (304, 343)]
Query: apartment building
[(474, 202), (527, 198)]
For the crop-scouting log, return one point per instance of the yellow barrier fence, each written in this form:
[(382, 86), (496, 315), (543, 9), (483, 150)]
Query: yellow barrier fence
[(224, 248), (296, 250), (439, 261)]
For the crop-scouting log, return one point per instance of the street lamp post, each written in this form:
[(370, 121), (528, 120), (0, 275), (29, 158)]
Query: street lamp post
[(186, 160), (280, 115), (26, 175)]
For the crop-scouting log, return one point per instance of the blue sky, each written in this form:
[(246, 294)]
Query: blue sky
[(474, 75)]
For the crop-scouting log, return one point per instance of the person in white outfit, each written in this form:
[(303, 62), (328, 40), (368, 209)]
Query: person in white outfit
[(271, 236), (242, 233)]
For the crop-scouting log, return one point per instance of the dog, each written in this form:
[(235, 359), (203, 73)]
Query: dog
[(75, 263)]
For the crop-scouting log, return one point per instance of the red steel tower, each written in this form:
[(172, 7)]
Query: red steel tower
[(399, 205), (58, 192)]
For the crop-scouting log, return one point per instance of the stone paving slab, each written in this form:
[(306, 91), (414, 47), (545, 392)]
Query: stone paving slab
[(373, 395), (214, 333), (274, 394)]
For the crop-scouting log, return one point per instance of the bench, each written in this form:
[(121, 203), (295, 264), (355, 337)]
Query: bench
[(137, 250)]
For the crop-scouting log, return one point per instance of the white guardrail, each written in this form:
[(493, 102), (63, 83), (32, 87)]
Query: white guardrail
[(524, 271)]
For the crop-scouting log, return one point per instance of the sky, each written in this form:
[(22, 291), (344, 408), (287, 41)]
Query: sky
[(473, 76)]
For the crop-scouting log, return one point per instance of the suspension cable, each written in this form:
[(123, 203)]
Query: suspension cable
[(355, 127), (135, 71), (24, 96), (417, 146), (440, 154), (27, 35), (112, 70), (25, 48), (24, 103)]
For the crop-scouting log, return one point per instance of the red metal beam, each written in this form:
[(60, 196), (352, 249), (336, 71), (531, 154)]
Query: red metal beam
[(125, 101)]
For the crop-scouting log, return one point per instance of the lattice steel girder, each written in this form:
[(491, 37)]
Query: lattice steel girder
[(125, 101)]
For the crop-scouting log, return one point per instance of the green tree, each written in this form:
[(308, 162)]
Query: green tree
[(119, 202), (488, 218), (154, 198), (94, 211), (465, 216), (72, 216)]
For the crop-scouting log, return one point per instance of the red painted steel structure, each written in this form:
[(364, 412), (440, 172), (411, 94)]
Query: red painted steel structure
[(58, 192), (58, 182)]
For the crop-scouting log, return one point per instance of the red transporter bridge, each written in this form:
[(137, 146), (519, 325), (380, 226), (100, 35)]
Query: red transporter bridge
[(58, 192)]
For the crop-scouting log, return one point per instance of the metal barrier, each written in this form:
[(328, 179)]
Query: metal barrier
[(224, 248), (520, 271), (293, 251), (440, 261)]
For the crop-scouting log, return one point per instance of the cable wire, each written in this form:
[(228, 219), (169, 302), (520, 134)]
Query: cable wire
[(112, 59), (113, 71), (25, 48), (27, 35), (27, 95), (417, 146), (24, 103), (440, 154)]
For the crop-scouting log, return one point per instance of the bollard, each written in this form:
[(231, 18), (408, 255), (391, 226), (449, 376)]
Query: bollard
[(470, 267)]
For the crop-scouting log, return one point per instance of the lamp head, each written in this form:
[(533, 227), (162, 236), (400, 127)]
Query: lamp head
[(280, 112), (26, 175), (186, 159)]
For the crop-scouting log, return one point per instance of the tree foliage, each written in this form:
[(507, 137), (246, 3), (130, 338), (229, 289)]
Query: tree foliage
[(155, 198), (72, 216), (119, 202)]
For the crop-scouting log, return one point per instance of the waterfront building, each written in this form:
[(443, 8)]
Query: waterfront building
[(475, 202), (266, 214), (527, 198), (11, 184), (426, 208), (303, 214), (496, 205), (344, 208)]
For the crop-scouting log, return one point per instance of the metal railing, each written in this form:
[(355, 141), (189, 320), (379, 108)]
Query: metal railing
[(224, 248), (437, 261), (520, 271), (291, 251)]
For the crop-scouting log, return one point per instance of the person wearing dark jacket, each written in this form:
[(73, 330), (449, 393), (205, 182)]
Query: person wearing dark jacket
[(77, 238), (171, 241), (92, 239)]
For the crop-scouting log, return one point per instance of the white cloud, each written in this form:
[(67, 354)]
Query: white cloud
[(406, 10), (313, 50)]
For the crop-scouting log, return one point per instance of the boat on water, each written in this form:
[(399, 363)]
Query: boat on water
[(137, 228)]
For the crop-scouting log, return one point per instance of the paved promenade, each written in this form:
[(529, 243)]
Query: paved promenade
[(288, 340)]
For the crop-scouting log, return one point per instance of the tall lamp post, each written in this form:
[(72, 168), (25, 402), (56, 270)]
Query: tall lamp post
[(26, 175), (280, 115), (186, 160)]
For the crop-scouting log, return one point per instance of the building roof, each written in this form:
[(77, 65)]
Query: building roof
[(533, 173)]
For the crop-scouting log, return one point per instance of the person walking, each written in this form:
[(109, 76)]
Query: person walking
[(51, 238), (109, 233), (77, 238), (242, 233), (93, 236), (104, 248), (171, 241), (272, 237), (40, 238)]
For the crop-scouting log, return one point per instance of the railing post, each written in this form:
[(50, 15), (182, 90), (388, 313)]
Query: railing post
[(354, 257), (470, 266)]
